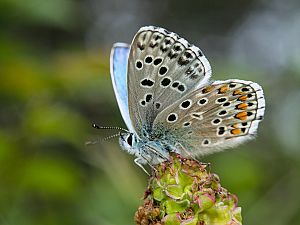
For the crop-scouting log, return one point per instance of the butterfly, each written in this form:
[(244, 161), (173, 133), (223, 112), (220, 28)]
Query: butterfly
[(170, 104)]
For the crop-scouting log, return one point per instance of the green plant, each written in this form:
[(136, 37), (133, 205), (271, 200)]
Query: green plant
[(182, 191)]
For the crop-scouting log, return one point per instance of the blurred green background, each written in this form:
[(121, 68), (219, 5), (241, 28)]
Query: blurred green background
[(55, 82)]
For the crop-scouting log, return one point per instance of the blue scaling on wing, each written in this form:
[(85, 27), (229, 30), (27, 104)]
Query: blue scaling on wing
[(118, 71)]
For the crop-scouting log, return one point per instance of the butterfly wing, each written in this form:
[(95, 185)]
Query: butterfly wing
[(118, 70), (162, 68), (213, 117)]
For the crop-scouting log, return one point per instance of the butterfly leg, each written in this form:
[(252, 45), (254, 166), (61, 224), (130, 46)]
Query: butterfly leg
[(152, 167), (186, 151), (157, 153), (140, 162), (208, 165)]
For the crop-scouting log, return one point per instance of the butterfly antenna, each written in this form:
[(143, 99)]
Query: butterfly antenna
[(104, 139), (92, 142), (112, 136), (109, 128)]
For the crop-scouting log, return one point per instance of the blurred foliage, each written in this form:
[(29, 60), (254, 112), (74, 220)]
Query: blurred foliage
[(34, 12), (54, 82)]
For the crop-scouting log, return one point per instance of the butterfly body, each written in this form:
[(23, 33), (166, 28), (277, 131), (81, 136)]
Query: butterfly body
[(152, 150), (169, 104)]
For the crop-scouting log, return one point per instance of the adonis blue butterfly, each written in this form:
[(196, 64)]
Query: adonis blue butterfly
[(170, 104)]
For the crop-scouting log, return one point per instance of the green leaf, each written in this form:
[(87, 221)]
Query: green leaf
[(158, 194), (171, 219), (174, 191), (176, 206)]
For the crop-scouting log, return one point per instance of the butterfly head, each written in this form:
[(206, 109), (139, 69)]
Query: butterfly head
[(129, 142)]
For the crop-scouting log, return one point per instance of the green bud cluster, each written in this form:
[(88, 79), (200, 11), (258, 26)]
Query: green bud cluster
[(182, 192)]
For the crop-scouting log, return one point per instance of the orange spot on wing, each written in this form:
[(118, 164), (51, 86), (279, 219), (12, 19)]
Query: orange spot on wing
[(242, 106), (241, 115), (236, 131), (243, 98), (235, 125), (238, 92), (207, 89), (223, 89)]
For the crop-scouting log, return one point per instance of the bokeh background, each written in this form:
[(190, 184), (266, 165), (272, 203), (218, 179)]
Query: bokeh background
[(55, 82)]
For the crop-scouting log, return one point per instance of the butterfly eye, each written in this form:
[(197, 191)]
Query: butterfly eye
[(129, 140)]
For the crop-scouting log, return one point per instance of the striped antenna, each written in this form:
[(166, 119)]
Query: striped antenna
[(104, 139), (109, 128)]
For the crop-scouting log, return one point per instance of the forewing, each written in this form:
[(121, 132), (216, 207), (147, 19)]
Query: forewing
[(212, 118), (162, 68), (118, 70)]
